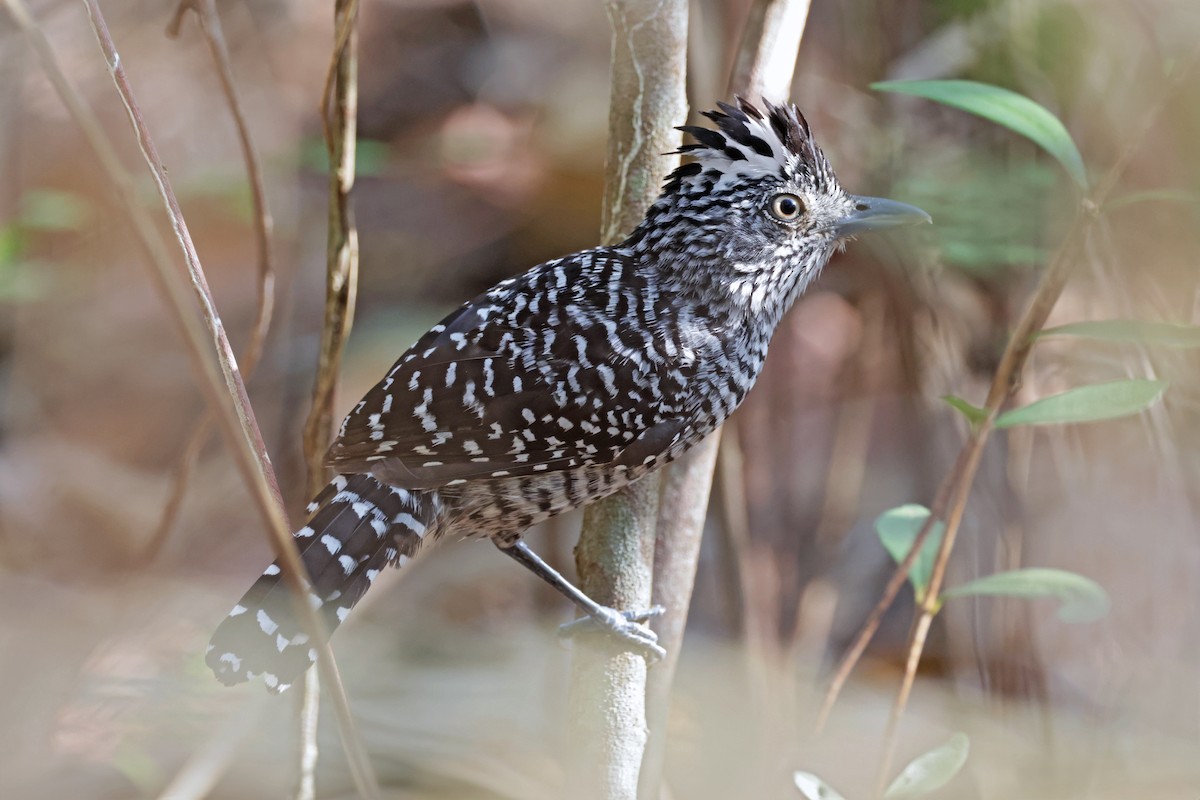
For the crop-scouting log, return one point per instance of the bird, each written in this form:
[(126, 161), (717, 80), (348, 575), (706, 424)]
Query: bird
[(559, 386)]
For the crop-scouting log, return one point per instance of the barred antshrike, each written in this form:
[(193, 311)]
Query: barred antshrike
[(560, 386)]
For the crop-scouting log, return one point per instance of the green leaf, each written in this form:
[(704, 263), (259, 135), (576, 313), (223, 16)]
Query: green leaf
[(1083, 600), (1131, 330), (1087, 404), (1014, 111), (813, 788), (929, 772), (897, 529), (974, 414)]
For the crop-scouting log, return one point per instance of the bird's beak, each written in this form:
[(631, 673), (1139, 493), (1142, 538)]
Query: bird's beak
[(876, 213)]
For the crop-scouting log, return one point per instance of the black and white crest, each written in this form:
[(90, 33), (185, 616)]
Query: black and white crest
[(749, 145)]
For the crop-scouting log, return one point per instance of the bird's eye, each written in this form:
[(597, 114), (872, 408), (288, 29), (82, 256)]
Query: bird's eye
[(786, 207)]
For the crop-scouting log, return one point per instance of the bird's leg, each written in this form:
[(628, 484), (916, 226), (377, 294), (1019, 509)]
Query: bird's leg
[(625, 625)]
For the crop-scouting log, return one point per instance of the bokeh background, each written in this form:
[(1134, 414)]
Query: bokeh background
[(483, 128)]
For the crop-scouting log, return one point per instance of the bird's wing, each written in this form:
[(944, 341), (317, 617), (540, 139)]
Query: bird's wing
[(533, 376)]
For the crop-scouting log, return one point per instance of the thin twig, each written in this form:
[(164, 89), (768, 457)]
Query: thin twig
[(214, 36), (218, 376), (210, 26), (1004, 385), (339, 120), (341, 277)]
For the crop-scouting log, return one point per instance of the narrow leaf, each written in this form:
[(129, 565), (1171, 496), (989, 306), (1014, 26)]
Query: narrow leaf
[(813, 788), (929, 772), (974, 414), (1131, 330), (1083, 600), (1087, 404), (897, 530), (1004, 107)]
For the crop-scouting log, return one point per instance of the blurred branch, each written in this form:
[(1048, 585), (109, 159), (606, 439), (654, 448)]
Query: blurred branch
[(210, 26), (950, 502), (339, 119), (766, 60), (682, 509), (615, 553), (219, 378), (208, 762), (766, 63)]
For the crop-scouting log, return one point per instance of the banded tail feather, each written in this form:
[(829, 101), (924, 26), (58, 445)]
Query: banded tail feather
[(357, 526)]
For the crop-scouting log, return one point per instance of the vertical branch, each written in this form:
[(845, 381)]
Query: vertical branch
[(615, 553), (339, 115), (683, 507), (339, 119), (203, 334), (765, 64), (766, 61)]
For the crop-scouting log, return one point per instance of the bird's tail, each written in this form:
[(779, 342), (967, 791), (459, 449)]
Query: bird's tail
[(357, 526)]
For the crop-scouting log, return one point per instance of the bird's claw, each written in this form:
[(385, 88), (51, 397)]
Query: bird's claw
[(628, 626)]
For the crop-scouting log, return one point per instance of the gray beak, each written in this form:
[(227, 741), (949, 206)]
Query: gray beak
[(876, 213)]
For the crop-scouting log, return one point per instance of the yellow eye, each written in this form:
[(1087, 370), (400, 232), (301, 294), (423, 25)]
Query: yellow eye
[(786, 207)]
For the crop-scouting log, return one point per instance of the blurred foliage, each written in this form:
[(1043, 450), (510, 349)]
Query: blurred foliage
[(42, 211), (988, 215), (1081, 599), (921, 777), (1130, 330), (370, 156), (931, 771)]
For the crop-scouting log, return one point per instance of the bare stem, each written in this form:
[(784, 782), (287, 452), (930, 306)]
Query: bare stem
[(339, 119)]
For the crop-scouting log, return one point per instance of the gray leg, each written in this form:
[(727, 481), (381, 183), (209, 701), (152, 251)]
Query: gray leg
[(624, 625)]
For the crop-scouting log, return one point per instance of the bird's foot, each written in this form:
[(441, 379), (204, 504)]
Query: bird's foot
[(627, 626)]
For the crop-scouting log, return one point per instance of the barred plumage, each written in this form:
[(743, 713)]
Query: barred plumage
[(561, 385)]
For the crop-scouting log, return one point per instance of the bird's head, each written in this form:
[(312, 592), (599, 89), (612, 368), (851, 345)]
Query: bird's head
[(758, 203)]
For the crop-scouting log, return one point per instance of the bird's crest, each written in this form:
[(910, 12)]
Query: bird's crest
[(749, 145)]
